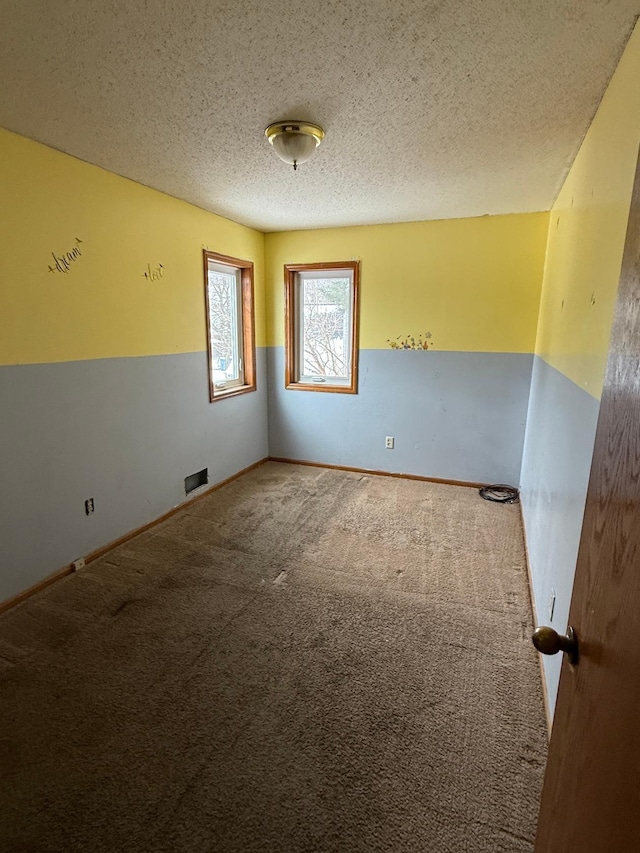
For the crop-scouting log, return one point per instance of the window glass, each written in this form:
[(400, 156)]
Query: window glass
[(325, 326), (322, 326), (230, 325), (225, 323)]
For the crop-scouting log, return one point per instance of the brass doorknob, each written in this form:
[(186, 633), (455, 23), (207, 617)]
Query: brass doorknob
[(549, 642)]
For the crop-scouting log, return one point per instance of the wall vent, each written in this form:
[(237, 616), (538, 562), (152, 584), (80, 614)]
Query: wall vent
[(194, 481)]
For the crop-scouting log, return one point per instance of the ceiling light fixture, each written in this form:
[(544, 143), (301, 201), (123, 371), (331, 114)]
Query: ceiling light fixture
[(294, 141)]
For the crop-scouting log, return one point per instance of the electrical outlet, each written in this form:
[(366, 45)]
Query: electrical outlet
[(388, 442), (88, 506), (552, 604), (78, 564)]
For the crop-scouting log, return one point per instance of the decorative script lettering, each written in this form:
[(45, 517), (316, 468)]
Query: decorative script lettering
[(62, 263), (409, 342), (154, 274)]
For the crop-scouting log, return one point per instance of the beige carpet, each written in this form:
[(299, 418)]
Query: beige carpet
[(305, 660)]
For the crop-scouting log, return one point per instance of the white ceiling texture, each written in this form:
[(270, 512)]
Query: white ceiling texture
[(432, 108)]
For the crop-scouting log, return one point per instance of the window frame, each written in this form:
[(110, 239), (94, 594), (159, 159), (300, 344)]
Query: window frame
[(292, 327), (247, 344)]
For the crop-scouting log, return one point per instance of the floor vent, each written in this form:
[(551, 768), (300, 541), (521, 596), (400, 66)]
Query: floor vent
[(194, 481)]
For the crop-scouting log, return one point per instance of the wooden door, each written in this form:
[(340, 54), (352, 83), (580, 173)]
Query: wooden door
[(591, 797)]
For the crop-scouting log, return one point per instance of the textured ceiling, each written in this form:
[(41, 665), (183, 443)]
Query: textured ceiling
[(432, 108)]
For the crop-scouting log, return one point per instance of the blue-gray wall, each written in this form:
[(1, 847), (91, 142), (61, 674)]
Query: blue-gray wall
[(125, 431), (559, 441), (454, 415)]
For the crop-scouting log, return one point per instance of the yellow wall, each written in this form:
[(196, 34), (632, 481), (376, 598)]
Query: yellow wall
[(587, 231), (103, 306), (473, 283)]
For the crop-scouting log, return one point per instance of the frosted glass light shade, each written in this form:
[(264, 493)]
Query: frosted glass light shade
[(294, 141), (294, 147)]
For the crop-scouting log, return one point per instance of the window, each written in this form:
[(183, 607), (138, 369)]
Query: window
[(321, 337), (230, 325)]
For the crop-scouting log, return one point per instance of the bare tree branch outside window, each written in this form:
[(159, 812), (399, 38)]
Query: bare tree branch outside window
[(326, 327), (223, 325)]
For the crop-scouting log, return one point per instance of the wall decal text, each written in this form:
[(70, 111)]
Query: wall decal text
[(409, 342), (154, 274), (62, 263)]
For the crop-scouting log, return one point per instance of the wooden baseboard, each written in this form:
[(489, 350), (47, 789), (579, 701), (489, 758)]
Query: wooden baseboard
[(37, 587), (466, 483), (536, 621), (100, 552)]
